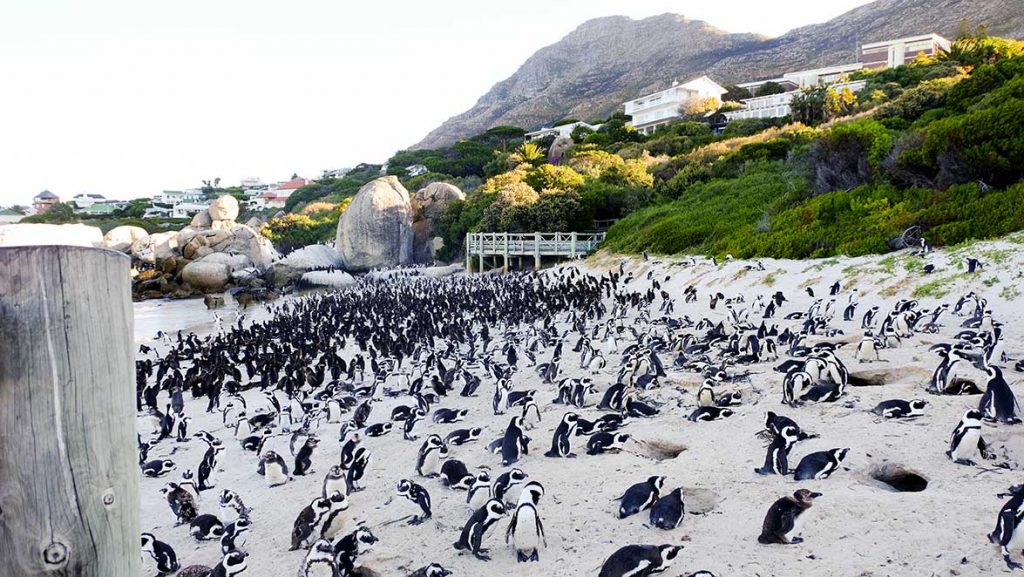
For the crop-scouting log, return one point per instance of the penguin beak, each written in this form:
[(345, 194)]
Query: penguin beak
[(815, 495)]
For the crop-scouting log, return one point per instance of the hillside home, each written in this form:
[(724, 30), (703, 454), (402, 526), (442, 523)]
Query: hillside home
[(87, 199), (175, 197), (806, 78), (44, 200), (780, 105), (893, 53), (661, 108), (560, 130), (277, 195), (187, 209)]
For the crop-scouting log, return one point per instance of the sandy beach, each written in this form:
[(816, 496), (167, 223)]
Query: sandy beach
[(859, 527)]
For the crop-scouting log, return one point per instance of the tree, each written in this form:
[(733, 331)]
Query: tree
[(809, 107), (735, 93), (769, 88), (528, 153)]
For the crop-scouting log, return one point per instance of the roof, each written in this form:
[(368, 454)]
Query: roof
[(46, 194), (89, 195), (292, 184), (906, 40), (9, 212), (100, 208)]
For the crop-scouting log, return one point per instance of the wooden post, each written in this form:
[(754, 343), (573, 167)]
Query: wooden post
[(69, 479), (469, 253), (536, 251), (504, 268), (572, 246)]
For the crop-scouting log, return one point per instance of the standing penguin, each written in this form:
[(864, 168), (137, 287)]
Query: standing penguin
[(640, 560), (480, 492), (504, 483), (776, 460), (560, 446), (966, 442), (514, 443), (162, 553), (234, 537), (475, 530), (335, 519), (183, 505), (208, 466), (334, 482), (304, 460), (417, 494), (432, 452), (319, 562), (640, 496), (273, 468), (667, 512), (782, 522), (820, 465), (307, 525), (526, 529), (1010, 516), (998, 403)]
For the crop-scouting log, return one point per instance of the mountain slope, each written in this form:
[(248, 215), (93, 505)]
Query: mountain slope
[(607, 61)]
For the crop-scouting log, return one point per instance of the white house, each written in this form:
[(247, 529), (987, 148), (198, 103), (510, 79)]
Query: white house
[(157, 212), (893, 53), (277, 195), (806, 78), (187, 209), (86, 199), (779, 105), (174, 197), (560, 130), (659, 109)]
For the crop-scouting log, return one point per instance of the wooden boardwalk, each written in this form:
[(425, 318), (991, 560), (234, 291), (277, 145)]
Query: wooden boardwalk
[(501, 246)]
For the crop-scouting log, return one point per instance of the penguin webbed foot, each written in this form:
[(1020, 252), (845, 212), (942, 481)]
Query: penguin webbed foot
[(796, 540), (967, 462), (1010, 563), (482, 555)]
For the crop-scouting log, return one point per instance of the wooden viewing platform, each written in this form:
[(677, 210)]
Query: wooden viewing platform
[(504, 245)]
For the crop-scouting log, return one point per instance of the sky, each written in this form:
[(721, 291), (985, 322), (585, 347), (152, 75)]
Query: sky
[(127, 98)]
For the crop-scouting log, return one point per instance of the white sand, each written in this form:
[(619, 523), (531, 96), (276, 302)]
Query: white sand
[(857, 528)]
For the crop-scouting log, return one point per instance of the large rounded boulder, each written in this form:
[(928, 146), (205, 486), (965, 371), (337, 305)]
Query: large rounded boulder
[(376, 229), (224, 208), (206, 276), (429, 205), (122, 238)]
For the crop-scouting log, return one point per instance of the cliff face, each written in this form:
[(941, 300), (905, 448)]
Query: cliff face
[(607, 61)]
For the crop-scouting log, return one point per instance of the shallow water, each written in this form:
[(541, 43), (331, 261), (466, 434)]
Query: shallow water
[(171, 316)]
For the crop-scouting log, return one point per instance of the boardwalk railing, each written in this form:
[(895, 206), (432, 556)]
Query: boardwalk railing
[(536, 244)]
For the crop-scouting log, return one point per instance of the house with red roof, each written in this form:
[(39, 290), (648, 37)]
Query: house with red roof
[(276, 196)]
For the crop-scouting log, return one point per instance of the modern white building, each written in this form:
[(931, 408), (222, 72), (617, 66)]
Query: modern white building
[(661, 108), (560, 130), (893, 53), (779, 105), (806, 78), (175, 197), (187, 209), (86, 199), (277, 195)]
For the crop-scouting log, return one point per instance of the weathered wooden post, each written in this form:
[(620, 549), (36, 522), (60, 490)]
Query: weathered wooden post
[(572, 247), (469, 253), (536, 251), (69, 482), (504, 267)]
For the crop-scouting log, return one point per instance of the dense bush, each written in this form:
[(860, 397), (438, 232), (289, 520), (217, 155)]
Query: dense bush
[(849, 155), (294, 231)]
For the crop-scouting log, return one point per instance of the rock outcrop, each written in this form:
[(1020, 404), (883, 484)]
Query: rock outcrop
[(310, 258), (206, 276), (123, 237), (429, 204), (376, 229), (46, 234)]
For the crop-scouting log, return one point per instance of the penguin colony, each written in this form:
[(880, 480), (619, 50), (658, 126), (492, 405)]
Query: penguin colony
[(302, 399)]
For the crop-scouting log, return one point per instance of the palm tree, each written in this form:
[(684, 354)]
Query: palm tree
[(528, 152)]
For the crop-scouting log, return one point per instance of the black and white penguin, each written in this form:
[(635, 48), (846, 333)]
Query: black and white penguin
[(432, 570), (900, 409), (162, 553), (378, 429), (206, 527), (334, 482), (306, 528), (998, 403), (640, 560), (304, 459), (479, 491), (418, 495), (1010, 516), (514, 443), (348, 548), (455, 475), (273, 469), (526, 530), (337, 517), (183, 505), (820, 464), (208, 466), (357, 469), (667, 512), (710, 414), (640, 496), (462, 436), (234, 535), (473, 533), (867, 349), (319, 562), (796, 383), (448, 416), (256, 442), (604, 442), (560, 445), (776, 460), (966, 443), (230, 565), (782, 522), (505, 481), (158, 467), (431, 453), (410, 424)]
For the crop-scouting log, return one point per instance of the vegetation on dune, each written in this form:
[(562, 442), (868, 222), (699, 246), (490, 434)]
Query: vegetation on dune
[(317, 224)]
